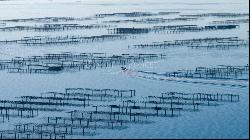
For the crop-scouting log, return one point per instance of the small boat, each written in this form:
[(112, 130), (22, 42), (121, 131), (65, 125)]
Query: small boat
[(124, 68)]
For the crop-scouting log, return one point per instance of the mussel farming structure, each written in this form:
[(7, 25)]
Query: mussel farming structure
[(135, 14), (221, 72), (225, 42), (219, 15), (151, 20), (94, 111), (60, 40), (232, 21), (53, 27), (55, 63), (172, 29), (45, 19), (70, 19)]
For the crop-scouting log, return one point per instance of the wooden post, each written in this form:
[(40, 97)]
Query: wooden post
[(172, 112)]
